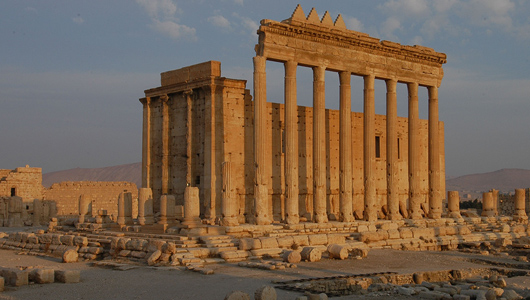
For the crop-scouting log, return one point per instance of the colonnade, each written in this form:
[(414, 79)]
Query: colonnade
[(262, 210)]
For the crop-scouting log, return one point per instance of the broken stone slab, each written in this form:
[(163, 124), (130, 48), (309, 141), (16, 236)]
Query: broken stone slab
[(42, 276), (70, 256), (14, 277), (67, 276), (151, 260), (434, 295)]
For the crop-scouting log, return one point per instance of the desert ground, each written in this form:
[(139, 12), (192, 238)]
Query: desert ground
[(144, 282)]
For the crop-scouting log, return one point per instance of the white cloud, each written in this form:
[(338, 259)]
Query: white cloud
[(220, 21), (417, 40), (489, 13), (240, 2), (443, 5), (173, 29), (78, 19), (247, 23), (407, 7), (162, 13), (354, 24), (389, 26), (158, 8)]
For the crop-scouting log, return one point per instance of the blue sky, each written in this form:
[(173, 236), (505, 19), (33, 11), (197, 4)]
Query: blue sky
[(72, 72)]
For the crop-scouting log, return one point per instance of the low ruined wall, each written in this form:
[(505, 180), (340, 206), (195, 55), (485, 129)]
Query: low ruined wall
[(103, 194)]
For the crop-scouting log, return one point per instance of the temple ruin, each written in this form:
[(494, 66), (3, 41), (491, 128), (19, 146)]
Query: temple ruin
[(259, 162)]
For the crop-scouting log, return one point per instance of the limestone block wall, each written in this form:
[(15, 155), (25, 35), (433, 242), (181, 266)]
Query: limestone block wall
[(24, 182), (104, 195)]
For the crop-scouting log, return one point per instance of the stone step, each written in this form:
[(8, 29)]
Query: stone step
[(217, 251), (220, 245)]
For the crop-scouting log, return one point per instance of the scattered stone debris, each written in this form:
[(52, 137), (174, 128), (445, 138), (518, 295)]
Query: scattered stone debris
[(17, 277), (453, 284)]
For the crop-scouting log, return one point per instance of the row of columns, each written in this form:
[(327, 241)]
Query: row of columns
[(345, 151)]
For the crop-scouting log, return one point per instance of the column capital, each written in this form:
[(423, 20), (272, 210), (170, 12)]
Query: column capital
[(391, 85), (369, 81), (412, 88), (164, 98), (290, 68), (433, 93), (319, 73), (344, 77)]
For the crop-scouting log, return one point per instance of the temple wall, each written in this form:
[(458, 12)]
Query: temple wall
[(104, 195), (26, 182)]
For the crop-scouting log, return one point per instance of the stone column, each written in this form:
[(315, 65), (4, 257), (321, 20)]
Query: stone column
[(414, 153), (487, 204), (291, 145), (84, 207), (165, 144), (146, 143), (167, 209), (230, 204), (520, 212), (37, 212), (392, 151), (435, 193), (192, 208), (261, 194), (495, 201), (145, 207), (453, 204), (319, 144), (125, 209), (345, 151), (370, 197)]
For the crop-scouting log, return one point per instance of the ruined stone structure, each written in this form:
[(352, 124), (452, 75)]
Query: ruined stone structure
[(291, 163), (24, 182), (507, 203), (102, 195)]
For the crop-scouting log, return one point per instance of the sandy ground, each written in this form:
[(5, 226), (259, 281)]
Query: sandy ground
[(146, 282)]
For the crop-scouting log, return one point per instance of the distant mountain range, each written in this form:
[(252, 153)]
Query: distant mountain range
[(505, 180), (129, 172)]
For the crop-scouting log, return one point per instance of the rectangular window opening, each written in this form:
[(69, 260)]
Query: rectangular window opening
[(399, 148), (377, 147)]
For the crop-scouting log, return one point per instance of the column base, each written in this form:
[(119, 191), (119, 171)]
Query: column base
[(435, 215), (146, 220), (394, 216), (370, 215), (415, 215), (229, 221), (321, 218), (455, 215), (292, 219), (347, 218)]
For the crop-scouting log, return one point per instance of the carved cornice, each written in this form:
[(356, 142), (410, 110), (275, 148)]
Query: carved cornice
[(350, 39)]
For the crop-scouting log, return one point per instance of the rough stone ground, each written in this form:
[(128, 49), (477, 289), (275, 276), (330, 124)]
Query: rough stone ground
[(144, 282)]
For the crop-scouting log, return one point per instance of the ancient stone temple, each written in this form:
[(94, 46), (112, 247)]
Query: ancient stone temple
[(254, 161)]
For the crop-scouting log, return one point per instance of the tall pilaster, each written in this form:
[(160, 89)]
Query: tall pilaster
[(261, 203), (319, 144), (291, 144), (392, 151), (345, 151), (370, 209), (146, 143), (435, 195), (414, 153), (189, 136), (165, 144)]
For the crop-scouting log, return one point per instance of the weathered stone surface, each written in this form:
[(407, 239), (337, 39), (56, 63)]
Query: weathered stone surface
[(67, 276), (70, 256), (42, 276), (337, 251), (292, 257), (151, 260), (311, 254), (265, 292), (237, 295), (15, 277)]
